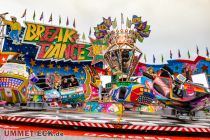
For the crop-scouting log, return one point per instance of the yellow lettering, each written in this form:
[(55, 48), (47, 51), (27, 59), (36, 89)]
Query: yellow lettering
[(63, 48), (39, 31), (30, 33), (60, 35), (68, 35), (48, 51), (81, 56), (55, 51)]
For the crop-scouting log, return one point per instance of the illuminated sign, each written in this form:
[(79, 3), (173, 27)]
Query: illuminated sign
[(6, 82), (56, 43)]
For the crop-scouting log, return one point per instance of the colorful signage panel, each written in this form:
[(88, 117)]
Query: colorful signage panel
[(56, 43)]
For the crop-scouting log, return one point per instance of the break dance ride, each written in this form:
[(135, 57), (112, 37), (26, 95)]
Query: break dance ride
[(182, 95), (56, 73)]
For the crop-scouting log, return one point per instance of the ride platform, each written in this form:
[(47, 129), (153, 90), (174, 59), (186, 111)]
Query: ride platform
[(129, 121)]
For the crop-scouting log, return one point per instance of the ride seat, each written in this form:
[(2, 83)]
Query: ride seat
[(122, 92)]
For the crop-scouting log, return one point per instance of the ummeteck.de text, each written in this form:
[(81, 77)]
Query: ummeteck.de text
[(32, 133)]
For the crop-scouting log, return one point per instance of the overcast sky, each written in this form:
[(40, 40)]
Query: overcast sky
[(175, 24)]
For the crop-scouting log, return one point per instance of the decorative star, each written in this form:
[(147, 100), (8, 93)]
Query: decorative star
[(42, 66), (10, 48), (58, 66), (204, 68), (3, 59), (82, 78), (50, 66), (33, 62), (66, 68), (75, 69)]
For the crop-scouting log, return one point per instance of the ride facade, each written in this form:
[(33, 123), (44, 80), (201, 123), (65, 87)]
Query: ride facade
[(52, 69)]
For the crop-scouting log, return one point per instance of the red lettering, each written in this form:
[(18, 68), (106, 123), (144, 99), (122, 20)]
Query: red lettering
[(75, 37), (80, 47), (67, 52), (90, 54), (42, 50), (49, 36), (73, 56), (57, 30)]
